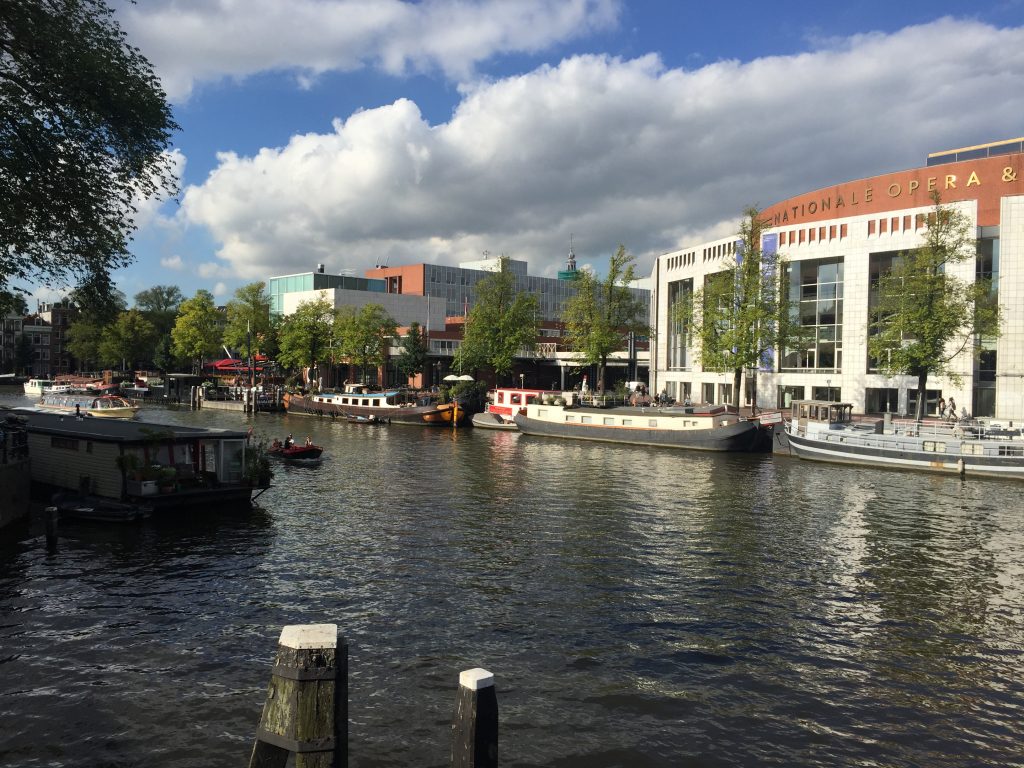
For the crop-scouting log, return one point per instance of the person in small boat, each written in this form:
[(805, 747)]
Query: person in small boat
[(289, 441), (276, 443), (309, 441)]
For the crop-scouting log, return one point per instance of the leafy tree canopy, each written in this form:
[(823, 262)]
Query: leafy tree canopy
[(502, 322), (306, 336), (925, 316), (413, 357), (127, 340), (159, 305), (84, 125), (197, 330), (598, 318), (249, 319), (743, 312), (365, 335)]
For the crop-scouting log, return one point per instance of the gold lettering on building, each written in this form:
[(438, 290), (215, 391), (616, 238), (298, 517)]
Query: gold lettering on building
[(973, 180), (931, 184), (912, 186), (1009, 174), (950, 181), (895, 190), (867, 195)]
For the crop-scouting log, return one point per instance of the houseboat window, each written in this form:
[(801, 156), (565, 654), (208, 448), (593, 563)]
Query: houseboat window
[(586, 420), (609, 421), (1011, 450), (516, 399), (652, 422), (627, 422), (366, 401), (501, 397), (542, 412), (570, 417), (972, 449), (64, 442)]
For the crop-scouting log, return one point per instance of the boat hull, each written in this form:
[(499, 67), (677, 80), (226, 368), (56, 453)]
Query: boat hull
[(908, 456), (433, 414), (741, 436), (493, 421)]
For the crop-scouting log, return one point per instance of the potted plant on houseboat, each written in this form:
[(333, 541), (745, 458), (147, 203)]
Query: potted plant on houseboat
[(166, 479)]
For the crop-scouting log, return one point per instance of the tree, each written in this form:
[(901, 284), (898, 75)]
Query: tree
[(197, 330), (23, 354), (501, 323), (248, 327), (742, 313), (306, 336), (413, 357), (83, 341), (159, 305), (601, 314), (924, 317), (98, 304), (84, 126), (365, 336), (127, 340)]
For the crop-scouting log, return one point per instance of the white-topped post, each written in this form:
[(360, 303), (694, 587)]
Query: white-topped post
[(475, 724)]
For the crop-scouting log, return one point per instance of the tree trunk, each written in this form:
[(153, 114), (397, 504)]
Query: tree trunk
[(737, 380), (922, 393)]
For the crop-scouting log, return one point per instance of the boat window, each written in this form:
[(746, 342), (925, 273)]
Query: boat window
[(609, 421), (652, 422), (516, 399), (627, 422), (570, 417), (1011, 450), (64, 442), (972, 449), (366, 401), (501, 397), (586, 420), (542, 412)]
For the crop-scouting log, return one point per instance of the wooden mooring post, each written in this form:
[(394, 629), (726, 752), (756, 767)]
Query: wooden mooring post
[(306, 711), (475, 724)]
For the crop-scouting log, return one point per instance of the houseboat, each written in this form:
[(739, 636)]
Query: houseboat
[(36, 387), (825, 431), (101, 407), (14, 469), (505, 402), (395, 406), (166, 467), (701, 428)]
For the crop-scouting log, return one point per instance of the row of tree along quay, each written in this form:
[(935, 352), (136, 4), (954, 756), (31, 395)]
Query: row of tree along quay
[(922, 319)]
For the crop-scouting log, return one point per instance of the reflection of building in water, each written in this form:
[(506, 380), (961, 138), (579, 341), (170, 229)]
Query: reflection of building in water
[(837, 242)]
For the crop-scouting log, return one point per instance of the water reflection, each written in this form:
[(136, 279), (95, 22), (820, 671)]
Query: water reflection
[(639, 607)]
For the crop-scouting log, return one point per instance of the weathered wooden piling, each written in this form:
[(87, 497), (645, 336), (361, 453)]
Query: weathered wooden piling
[(52, 518), (306, 711), (475, 724)]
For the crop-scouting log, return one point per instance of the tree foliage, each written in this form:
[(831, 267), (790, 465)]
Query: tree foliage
[(249, 319), (197, 330), (84, 125), (741, 314), (413, 356), (601, 314), (502, 322), (83, 341), (127, 340), (306, 336), (924, 316), (159, 305), (365, 336)]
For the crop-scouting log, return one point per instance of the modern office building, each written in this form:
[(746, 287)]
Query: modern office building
[(836, 242)]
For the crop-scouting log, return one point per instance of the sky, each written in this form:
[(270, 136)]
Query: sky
[(352, 133)]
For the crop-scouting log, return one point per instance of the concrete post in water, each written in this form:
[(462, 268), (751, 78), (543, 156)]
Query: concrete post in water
[(475, 725), (306, 711)]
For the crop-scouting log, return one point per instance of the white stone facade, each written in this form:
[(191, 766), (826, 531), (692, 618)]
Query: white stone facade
[(853, 239)]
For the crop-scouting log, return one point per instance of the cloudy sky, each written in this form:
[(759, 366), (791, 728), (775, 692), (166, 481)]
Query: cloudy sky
[(361, 132)]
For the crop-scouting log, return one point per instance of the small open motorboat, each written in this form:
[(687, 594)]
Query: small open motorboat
[(87, 507), (358, 418), (306, 454)]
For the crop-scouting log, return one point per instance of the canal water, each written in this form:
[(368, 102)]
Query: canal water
[(638, 607)]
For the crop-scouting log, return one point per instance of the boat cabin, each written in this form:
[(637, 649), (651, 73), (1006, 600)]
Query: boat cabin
[(117, 459), (821, 412), (507, 402)]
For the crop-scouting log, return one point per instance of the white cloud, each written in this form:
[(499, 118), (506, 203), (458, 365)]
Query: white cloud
[(220, 290), (173, 262), (209, 269), (190, 41), (613, 151)]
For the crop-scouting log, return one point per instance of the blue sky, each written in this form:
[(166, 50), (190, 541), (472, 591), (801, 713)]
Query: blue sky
[(356, 132)]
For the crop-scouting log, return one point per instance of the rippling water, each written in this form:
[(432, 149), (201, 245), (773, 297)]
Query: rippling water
[(638, 607)]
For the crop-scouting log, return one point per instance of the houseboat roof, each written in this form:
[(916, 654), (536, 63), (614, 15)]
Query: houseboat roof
[(116, 431)]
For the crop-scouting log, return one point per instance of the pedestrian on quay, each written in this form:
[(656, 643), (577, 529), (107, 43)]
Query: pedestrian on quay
[(952, 409), (942, 407)]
